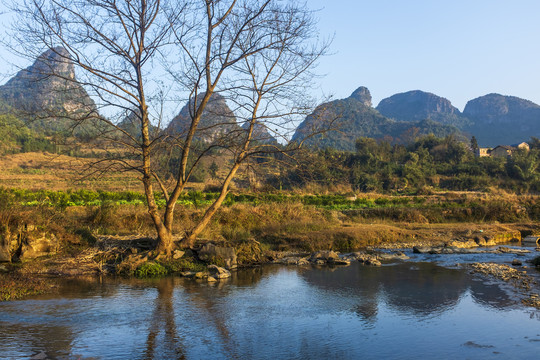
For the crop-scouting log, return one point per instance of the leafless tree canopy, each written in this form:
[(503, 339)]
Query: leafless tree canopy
[(139, 59)]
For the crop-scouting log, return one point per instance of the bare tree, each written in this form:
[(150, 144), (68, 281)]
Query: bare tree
[(257, 54)]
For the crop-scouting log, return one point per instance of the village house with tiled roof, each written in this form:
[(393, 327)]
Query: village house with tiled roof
[(502, 151)]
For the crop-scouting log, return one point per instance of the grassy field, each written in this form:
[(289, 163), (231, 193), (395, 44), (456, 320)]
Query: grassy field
[(46, 191)]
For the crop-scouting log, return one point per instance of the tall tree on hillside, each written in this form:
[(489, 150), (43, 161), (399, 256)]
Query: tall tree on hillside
[(131, 55), (474, 144)]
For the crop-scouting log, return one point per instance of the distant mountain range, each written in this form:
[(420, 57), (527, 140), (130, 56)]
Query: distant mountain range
[(341, 122), (493, 119), (47, 102), (498, 119)]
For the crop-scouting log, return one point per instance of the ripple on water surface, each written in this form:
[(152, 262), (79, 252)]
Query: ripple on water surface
[(405, 311)]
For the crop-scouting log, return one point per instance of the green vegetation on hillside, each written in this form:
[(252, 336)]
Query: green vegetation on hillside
[(16, 137), (428, 163)]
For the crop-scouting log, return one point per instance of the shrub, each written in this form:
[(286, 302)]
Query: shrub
[(183, 264), (150, 269)]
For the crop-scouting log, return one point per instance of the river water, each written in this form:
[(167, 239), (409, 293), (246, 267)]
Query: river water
[(405, 310)]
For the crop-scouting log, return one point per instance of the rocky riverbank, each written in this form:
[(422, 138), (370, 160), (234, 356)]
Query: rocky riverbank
[(520, 280), (213, 261)]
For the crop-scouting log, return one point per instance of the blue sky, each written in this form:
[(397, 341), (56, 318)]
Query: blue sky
[(458, 49)]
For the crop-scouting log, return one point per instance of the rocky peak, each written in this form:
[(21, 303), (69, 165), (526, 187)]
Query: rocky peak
[(51, 66), (418, 105), (54, 61), (500, 119), (49, 91), (363, 95), (496, 105), (261, 134), (217, 120)]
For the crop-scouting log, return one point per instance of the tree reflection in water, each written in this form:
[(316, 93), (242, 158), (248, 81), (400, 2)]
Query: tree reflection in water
[(163, 323)]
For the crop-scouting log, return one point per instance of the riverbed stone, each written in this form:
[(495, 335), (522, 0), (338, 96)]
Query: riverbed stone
[(372, 262), (517, 262), (218, 272), (394, 256), (325, 255), (344, 262), (421, 249), (466, 244), (210, 252), (507, 250), (200, 275)]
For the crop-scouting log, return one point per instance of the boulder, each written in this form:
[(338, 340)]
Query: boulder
[(200, 275), (326, 256), (506, 250), (213, 253), (467, 244), (516, 262), (421, 249), (340, 262), (292, 260), (218, 272), (372, 262), (37, 244), (396, 256), (368, 259)]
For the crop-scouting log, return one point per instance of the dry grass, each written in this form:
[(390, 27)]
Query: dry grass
[(58, 172)]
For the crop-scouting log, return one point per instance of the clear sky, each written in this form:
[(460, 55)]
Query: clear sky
[(458, 49)]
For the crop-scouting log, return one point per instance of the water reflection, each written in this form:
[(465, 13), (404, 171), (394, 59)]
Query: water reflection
[(273, 312), (417, 289), (162, 336)]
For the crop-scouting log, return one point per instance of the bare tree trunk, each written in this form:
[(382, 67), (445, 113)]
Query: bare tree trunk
[(243, 48), (164, 235), (189, 240)]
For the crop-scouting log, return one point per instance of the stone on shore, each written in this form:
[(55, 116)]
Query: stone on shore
[(467, 244), (218, 272), (211, 252), (372, 262), (340, 262), (325, 255)]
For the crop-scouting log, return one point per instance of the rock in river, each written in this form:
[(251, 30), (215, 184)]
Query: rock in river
[(326, 256), (218, 272)]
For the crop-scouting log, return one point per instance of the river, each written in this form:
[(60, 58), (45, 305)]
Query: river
[(405, 310)]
